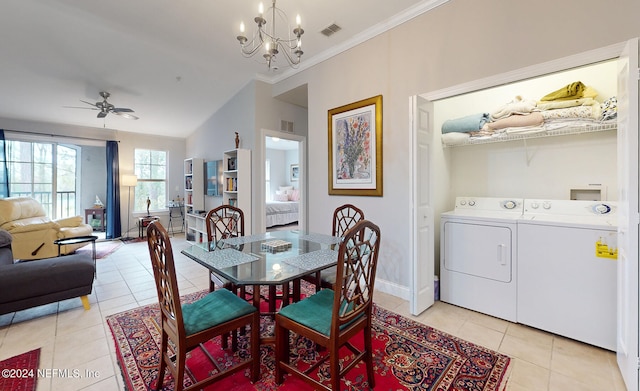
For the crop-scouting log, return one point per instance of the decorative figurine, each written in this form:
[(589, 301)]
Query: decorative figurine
[(148, 205), (237, 141), (98, 204)]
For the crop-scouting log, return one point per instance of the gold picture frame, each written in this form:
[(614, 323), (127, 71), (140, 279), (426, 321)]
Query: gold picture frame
[(355, 148)]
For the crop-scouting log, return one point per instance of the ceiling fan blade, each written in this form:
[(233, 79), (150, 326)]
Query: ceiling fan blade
[(78, 107), (126, 114), (102, 114), (89, 103), (122, 110)]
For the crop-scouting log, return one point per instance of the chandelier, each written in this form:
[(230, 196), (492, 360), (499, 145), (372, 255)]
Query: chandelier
[(265, 37)]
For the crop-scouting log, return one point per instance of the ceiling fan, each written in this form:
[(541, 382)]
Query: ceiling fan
[(105, 107)]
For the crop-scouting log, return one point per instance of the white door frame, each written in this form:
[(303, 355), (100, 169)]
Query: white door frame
[(259, 215)]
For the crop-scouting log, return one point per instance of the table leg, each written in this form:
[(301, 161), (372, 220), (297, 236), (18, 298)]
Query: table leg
[(296, 290), (256, 296), (272, 299), (285, 295)]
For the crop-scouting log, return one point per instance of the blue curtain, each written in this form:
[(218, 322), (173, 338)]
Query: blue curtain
[(113, 191), (4, 171)]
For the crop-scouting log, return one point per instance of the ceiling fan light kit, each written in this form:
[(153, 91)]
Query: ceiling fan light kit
[(290, 47), (107, 108)]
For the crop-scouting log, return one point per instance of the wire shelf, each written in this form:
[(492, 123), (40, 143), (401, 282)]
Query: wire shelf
[(537, 133)]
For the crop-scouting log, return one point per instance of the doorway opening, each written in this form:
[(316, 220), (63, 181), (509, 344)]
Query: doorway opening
[(282, 204)]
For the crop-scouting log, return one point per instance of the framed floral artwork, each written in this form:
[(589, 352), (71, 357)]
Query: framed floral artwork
[(355, 148)]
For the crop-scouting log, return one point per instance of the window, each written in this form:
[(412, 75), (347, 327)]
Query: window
[(47, 172), (151, 169)]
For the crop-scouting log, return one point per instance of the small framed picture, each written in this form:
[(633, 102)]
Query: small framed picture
[(294, 172), (231, 164)]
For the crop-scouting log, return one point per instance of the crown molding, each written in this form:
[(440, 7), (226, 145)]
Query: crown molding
[(373, 31)]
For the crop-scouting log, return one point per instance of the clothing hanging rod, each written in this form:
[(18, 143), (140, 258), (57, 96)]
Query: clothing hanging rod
[(56, 135)]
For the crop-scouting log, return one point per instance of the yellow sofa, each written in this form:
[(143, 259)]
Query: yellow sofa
[(33, 232)]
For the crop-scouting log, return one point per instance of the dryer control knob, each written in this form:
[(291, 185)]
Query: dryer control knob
[(534, 205), (463, 202), (546, 205), (472, 203), (509, 204)]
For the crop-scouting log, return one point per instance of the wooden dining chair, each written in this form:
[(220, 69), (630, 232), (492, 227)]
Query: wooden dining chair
[(189, 326), (331, 318), (344, 218), (223, 222)]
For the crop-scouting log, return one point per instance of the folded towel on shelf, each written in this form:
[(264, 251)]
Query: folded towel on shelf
[(609, 109), (563, 104), (570, 91), (592, 111), (515, 121), (455, 138), (517, 106), (470, 123)]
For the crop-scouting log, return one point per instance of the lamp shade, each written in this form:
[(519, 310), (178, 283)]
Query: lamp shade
[(129, 180)]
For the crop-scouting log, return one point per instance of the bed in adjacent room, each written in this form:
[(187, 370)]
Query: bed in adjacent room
[(283, 210)]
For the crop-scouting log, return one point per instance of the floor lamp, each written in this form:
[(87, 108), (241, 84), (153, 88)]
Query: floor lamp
[(129, 181)]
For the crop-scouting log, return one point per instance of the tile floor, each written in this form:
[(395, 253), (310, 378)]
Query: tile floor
[(72, 338)]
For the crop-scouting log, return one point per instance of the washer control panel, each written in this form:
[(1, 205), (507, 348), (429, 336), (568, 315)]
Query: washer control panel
[(569, 207)]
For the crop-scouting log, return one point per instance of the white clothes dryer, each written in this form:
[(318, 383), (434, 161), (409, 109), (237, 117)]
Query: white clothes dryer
[(478, 255), (567, 253)]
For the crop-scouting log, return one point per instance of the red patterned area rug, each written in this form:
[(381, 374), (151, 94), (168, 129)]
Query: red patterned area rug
[(20, 373), (407, 356)]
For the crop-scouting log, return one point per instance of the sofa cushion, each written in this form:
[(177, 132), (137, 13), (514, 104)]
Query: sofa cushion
[(17, 208)]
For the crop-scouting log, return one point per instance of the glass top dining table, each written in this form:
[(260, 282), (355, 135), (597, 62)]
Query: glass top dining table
[(271, 258)]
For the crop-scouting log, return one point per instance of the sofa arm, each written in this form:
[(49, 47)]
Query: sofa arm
[(80, 230), (28, 279), (73, 221)]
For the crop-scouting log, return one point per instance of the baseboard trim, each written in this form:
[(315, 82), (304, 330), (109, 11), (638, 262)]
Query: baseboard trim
[(392, 288)]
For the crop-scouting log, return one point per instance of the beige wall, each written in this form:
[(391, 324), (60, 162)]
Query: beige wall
[(450, 45)]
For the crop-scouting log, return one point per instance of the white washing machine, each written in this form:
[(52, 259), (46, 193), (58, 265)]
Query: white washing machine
[(478, 255), (567, 253)]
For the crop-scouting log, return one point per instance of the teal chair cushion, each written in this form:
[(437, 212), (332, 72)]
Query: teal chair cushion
[(314, 312), (215, 308)]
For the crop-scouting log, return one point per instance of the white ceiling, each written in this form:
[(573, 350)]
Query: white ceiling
[(174, 62), (281, 144)]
